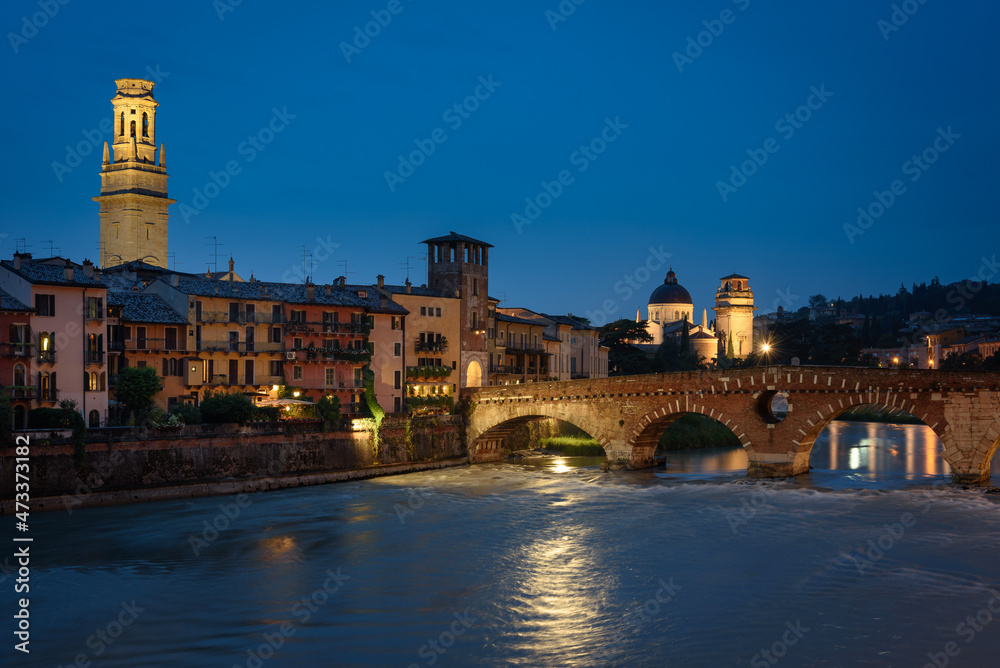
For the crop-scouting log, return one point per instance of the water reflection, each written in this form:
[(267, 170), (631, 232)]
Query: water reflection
[(873, 449)]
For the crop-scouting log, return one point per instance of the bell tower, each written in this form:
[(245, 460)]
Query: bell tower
[(133, 195), (734, 315)]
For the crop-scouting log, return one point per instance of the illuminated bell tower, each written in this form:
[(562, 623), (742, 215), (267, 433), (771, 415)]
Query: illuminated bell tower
[(133, 195), (734, 315)]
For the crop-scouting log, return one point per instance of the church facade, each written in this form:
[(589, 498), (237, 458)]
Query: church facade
[(670, 308)]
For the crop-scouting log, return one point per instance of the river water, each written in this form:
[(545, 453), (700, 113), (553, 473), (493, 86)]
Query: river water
[(871, 559)]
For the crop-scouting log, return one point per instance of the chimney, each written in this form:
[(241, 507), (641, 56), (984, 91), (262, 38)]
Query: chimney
[(231, 264), (88, 268), (69, 271), (329, 290), (17, 261), (310, 291), (408, 285), (381, 280), (175, 280), (340, 280)]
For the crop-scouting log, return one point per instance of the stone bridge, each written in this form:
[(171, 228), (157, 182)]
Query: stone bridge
[(627, 414)]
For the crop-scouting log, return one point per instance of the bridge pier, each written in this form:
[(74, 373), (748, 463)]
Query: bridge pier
[(765, 465)]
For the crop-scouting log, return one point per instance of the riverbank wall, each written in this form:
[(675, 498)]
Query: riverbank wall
[(142, 464)]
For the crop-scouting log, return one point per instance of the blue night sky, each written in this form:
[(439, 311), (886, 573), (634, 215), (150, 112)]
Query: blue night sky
[(609, 67)]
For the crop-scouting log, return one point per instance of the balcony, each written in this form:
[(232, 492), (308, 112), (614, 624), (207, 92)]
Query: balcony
[(435, 346), (240, 347), (46, 357), (345, 354), (427, 372), (241, 317), (94, 357), (15, 349), (50, 395), (515, 350), (21, 391)]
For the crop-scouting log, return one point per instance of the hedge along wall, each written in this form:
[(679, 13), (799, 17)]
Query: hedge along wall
[(200, 454)]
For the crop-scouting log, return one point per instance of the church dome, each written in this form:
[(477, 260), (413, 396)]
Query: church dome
[(670, 292)]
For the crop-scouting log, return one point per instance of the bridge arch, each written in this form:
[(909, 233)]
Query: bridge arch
[(651, 427), (492, 423)]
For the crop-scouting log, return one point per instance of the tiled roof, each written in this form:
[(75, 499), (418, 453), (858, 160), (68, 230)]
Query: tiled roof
[(726, 278), (9, 303), (143, 307), (503, 317), (421, 291), (454, 237), (568, 320), (38, 272), (291, 293)]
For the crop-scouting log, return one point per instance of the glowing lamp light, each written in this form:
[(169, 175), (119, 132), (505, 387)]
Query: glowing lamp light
[(296, 393), (766, 348), (274, 388)]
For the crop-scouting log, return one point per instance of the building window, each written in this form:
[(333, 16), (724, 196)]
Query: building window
[(234, 341), (423, 310), (475, 320), (439, 312), (397, 380), (297, 344), (371, 322), (45, 305), (19, 375), (95, 419), (95, 308), (276, 368), (296, 373), (145, 125), (132, 128), (397, 349), (331, 377), (234, 312), (396, 323), (475, 287), (170, 338), (121, 128), (248, 375)]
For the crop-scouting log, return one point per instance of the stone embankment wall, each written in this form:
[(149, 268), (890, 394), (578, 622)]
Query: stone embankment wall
[(122, 466)]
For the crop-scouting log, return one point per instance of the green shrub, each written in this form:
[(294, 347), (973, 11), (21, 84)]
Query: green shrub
[(328, 408), (573, 446), (222, 407), (268, 413), (188, 413), (694, 430)]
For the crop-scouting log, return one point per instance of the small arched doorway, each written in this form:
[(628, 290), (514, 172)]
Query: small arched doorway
[(474, 375), (95, 419)]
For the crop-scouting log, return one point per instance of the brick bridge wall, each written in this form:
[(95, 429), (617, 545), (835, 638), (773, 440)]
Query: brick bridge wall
[(627, 414)]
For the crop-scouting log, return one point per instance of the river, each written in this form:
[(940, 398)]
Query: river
[(871, 559)]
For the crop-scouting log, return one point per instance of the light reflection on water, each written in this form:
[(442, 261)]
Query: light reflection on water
[(555, 563)]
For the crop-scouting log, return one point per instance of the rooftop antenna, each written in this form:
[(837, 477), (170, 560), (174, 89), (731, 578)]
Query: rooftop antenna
[(51, 245), (174, 256), (215, 252), (21, 245), (346, 273), (307, 263)]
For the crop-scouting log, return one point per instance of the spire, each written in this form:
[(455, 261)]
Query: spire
[(163, 155), (637, 318), (704, 318), (106, 158), (231, 264)]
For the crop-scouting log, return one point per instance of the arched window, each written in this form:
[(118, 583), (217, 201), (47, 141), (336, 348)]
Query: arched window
[(121, 128), (95, 419), (145, 125), (92, 384), (133, 128), (19, 375)]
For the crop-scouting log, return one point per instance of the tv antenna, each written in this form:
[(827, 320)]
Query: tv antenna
[(308, 264), (215, 252), (346, 273), (21, 245)]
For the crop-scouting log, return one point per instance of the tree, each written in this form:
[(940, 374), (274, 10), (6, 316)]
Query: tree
[(328, 408), (136, 387), (730, 352), (962, 362), (623, 332), (818, 300), (6, 418), (685, 336), (227, 407)]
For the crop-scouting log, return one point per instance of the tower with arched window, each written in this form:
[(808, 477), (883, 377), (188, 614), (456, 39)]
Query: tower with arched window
[(734, 315), (133, 195)]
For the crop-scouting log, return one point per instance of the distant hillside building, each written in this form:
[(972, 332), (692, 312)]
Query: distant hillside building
[(669, 307), (734, 315), (133, 195)]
